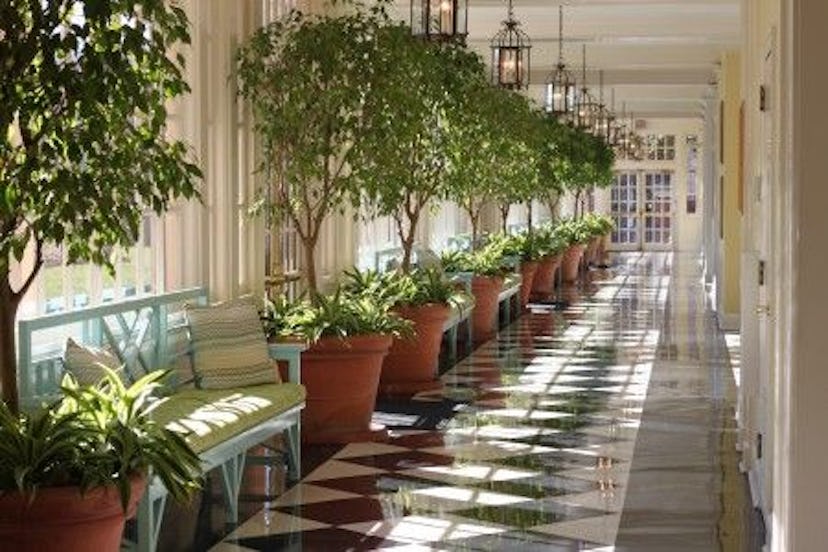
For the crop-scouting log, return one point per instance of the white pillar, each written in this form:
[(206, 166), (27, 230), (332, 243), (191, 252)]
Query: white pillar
[(802, 401)]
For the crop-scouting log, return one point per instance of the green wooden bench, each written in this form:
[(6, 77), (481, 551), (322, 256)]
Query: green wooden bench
[(151, 333)]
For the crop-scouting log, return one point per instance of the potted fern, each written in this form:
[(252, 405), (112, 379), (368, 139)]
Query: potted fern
[(424, 297), (70, 475), (349, 336)]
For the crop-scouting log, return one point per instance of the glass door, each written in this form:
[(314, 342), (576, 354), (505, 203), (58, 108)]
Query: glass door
[(624, 211), (641, 204), (658, 212)]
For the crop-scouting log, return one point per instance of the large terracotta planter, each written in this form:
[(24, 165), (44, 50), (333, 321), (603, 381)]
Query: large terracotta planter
[(591, 253), (603, 248), (571, 262), (528, 270), (341, 377), (544, 283), (61, 519), (411, 364), (485, 290)]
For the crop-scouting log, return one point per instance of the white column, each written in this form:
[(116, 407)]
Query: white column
[(802, 439)]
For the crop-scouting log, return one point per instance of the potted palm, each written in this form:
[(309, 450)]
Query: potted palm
[(424, 297), (551, 248), (349, 336), (70, 475), (528, 247)]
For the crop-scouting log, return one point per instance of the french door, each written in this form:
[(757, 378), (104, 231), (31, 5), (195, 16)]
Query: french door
[(641, 204)]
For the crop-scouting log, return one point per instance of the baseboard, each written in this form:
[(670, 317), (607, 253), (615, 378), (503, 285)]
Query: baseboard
[(728, 322)]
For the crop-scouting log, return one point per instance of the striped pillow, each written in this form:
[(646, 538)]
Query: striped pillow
[(84, 363), (229, 346)]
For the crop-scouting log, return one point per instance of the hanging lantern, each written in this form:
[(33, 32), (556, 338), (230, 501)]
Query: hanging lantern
[(587, 110), (510, 55), (601, 122), (440, 20), (561, 88)]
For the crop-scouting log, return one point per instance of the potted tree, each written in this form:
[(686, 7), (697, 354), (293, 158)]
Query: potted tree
[(83, 153), (400, 168), (349, 336), (308, 78), (72, 474)]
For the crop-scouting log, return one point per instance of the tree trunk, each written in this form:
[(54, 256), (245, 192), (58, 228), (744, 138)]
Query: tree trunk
[(529, 215), (408, 245), (577, 203), (504, 215), (8, 350), (474, 224), (309, 245)]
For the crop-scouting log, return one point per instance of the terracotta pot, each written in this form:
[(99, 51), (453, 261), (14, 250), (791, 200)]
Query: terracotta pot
[(485, 290), (528, 270), (411, 364), (341, 377), (603, 248), (591, 253), (61, 519), (544, 283), (571, 262)]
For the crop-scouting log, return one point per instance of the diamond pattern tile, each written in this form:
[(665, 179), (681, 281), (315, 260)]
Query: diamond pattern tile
[(527, 445)]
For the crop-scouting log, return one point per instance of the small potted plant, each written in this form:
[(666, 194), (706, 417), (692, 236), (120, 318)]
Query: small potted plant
[(527, 247), (424, 297), (349, 336), (552, 246), (488, 269), (72, 474), (576, 236)]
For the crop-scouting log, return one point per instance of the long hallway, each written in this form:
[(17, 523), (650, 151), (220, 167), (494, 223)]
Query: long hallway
[(605, 426)]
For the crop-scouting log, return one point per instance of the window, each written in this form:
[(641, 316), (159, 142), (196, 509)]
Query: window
[(60, 286), (661, 147)]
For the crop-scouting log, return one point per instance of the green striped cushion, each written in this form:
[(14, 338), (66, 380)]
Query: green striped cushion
[(84, 363), (229, 346), (211, 416)]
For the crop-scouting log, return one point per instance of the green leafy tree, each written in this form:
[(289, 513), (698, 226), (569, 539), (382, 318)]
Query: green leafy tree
[(491, 159), (307, 78), (553, 164), (83, 154), (403, 162)]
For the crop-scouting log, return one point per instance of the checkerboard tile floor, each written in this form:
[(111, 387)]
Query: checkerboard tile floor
[(527, 446)]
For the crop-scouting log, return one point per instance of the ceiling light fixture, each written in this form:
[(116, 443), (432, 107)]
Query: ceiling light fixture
[(510, 55), (561, 88), (440, 20)]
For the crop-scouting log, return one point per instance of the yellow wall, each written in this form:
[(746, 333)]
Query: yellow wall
[(730, 92)]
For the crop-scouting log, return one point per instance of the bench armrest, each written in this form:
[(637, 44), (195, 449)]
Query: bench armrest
[(290, 352)]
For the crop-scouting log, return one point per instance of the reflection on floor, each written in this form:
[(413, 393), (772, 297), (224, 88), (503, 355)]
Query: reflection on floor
[(535, 440)]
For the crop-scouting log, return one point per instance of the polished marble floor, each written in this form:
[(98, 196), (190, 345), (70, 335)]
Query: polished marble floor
[(607, 425)]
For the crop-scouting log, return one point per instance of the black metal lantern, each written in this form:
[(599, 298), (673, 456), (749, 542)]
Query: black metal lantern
[(561, 88), (587, 108), (601, 115), (440, 19), (510, 55)]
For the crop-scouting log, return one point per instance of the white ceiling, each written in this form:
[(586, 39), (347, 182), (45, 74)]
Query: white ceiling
[(659, 56)]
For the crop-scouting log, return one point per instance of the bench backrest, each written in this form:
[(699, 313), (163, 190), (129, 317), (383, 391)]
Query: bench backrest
[(139, 331)]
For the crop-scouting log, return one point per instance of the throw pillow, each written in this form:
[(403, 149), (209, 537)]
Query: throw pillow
[(229, 346), (84, 363)]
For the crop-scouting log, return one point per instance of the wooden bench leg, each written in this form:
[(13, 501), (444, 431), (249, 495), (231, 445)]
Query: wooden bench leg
[(294, 451), (150, 515), (231, 475)]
